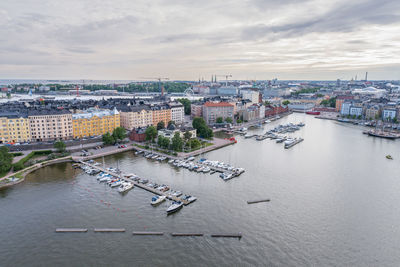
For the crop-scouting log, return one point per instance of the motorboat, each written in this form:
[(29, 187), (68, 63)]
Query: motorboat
[(116, 183), (157, 200), (188, 198), (206, 169), (175, 206), (125, 186), (176, 194)]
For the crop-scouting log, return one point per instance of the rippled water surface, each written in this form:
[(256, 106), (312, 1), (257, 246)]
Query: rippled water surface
[(335, 200)]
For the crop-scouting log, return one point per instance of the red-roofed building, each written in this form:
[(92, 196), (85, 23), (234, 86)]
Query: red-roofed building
[(214, 110)]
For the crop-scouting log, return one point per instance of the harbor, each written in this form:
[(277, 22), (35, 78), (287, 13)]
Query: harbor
[(302, 211)]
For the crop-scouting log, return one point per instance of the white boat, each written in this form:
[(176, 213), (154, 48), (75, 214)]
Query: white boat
[(105, 178), (176, 194), (157, 200), (190, 158), (117, 183), (189, 199), (175, 206), (171, 161), (124, 187), (206, 169)]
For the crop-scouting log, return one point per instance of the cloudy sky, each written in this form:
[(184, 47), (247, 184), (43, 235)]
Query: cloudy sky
[(250, 39)]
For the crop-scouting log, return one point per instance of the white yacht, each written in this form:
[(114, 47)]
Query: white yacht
[(124, 187), (175, 206), (157, 200)]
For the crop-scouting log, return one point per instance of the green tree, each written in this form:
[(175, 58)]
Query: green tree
[(60, 146), (238, 121), (186, 104), (267, 103), (219, 120), (325, 102), (228, 120), (119, 134), (187, 135), (5, 160), (286, 102), (194, 143), (163, 142), (108, 139), (177, 142), (151, 133), (160, 125), (359, 117), (201, 127), (394, 120)]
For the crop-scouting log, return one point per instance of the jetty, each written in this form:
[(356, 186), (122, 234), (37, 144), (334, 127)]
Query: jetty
[(258, 201), (71, 230), (140, 185)]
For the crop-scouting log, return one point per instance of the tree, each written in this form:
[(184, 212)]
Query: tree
[(359, 117), (286, 102), (60, 146), (394, 120), (5, 160), (186, 104), (160, 125), (163, 142), (151, 133), (228, 120), (194, 143), (201, 127), (108, 139), (238, 121), (187, 135), (325, 102), (119, 133), (170, 123), (267, 103), (177, 142), (219, 120)]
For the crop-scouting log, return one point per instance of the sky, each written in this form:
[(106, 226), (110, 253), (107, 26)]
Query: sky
[(188, 39)]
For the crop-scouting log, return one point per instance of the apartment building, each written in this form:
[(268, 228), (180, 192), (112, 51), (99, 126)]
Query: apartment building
[(14, 128), (133, 117)]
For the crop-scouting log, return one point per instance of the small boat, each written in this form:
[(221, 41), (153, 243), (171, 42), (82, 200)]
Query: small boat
[(176, 194), (189, 198), (190, 158), (206, 169), (117, 183), (171, 161), (125, 187), (157, 200), (175, 206), (389, 157)]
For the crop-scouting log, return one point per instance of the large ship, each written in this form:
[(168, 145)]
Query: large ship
[(382, 134)]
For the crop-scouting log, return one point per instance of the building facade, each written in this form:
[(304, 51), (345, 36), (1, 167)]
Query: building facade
[(161, 113), (211, 111), (93, 122), (14, 128), (196, 110), (136, 117), (50, 125), (177, 112)]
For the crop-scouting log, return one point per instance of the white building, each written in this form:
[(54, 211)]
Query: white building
[(388, 114), (252, 95), (177, 112), (345, 108), (356, 111)]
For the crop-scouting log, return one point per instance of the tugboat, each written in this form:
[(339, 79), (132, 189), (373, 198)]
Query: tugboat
[(389, 157), (175, 206)]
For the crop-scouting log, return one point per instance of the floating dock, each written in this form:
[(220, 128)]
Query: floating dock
[(71, 230), (147, 233), (294, 143), (238, 235), (140, 185), (187, 234), (109, 230), (258, 201)]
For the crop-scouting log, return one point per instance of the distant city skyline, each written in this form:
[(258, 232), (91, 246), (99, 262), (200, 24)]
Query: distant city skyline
[(188, 40)]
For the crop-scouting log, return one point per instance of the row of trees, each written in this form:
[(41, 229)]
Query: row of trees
[(5, 160), (221, 120), (118, 134), (331, 102)]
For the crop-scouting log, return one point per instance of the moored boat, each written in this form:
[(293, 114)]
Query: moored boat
[(175, 206), (157, 200)]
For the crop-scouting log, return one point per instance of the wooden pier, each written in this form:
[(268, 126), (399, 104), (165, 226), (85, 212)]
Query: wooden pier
[(140, 185), (258, 201), (147, 233), (71, 230), (109, 230)]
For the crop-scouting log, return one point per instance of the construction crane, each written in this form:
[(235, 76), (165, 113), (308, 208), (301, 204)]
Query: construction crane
[(159, 79), (226, 77)]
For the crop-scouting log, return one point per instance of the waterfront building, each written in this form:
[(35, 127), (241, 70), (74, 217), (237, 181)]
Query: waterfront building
[(345, 109), (388, 113), (177, 112), (14, 128), (93, 122), (372, 112), (212, 110), (356, 111), (136, 116), (340, 99), (275, 110), (161, 113), (50, 124)]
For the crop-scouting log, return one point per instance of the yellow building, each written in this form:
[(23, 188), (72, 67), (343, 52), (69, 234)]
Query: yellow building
[(14, 128), (93, 122)]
